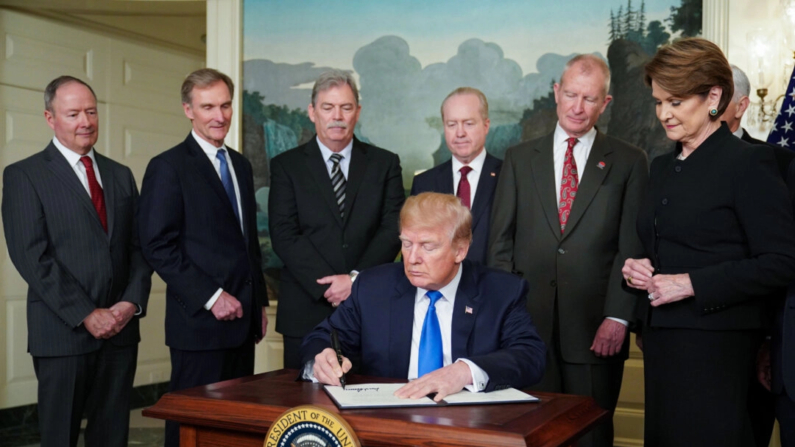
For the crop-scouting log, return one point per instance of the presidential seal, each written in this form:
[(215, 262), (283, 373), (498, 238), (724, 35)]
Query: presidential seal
[(309, 426)]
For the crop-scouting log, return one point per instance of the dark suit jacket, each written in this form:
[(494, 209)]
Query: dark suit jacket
[(311, 238), (581, 269), (440, 179), (376, 322), (712, 216), (56, 241), (783, 330), (190, 235)]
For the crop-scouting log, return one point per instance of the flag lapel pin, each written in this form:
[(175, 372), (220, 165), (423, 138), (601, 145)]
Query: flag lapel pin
[(600, 165), (467, 309)]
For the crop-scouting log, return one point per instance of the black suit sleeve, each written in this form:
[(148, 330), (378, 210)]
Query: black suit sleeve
[(384, 245), (160, 220), (32, 254), (503, 218), (618, 302), (294, 248), (765, 216), (347, 320), (140, 279), (521, 359)]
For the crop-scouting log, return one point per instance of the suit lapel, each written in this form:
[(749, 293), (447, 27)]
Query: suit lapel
[(356, 170), (401, 321), (61, 169), (486, 184), (318, 171), (464, 310), (108, 189), (444, 181), (543, 168), (245, 188), (593, 178), (199, 161)]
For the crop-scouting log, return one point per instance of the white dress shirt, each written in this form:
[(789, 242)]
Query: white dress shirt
[(73, 158), (581, 152), (211, 151), (344, 163), (473, 177), (444, 312)]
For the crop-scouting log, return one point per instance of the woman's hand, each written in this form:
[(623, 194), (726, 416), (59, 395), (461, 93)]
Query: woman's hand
[(666, 289), (638, 273)]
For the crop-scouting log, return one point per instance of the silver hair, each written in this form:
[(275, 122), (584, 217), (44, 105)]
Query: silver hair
[(334, 78), (588, 62), (742, 87), (52, 88)]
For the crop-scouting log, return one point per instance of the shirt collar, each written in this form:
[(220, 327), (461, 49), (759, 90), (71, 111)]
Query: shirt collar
[(476, 164), (71, 156), (448, 290), (739, 132), (208, 148), (345, 152), (586, 140)]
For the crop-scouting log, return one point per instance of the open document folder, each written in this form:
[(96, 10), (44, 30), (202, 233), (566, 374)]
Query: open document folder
[(381, 395)]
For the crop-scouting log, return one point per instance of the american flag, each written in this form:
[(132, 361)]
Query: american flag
[(783, 131)]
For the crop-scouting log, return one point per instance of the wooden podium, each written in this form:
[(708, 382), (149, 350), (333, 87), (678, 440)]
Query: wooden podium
[(239, 412)]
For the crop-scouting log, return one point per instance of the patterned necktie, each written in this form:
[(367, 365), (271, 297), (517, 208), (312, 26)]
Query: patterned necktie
[(430, 356), (568, 185), (338, 182), (97, 195), (464, 191), (226, 179)]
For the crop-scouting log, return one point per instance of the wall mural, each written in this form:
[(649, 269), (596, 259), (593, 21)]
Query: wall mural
[(407, 55)]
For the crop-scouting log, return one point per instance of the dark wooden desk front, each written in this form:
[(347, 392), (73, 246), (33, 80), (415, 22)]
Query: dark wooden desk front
[(239, 413)]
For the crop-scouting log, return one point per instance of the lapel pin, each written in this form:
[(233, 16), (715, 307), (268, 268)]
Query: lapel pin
[(600, 165), (493, 174), (467, 309)]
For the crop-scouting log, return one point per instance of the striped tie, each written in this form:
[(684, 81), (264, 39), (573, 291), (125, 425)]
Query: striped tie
[(338, 182)]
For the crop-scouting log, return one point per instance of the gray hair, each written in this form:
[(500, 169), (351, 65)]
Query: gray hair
[(202, 78), (741, 85), (334, 78), (587, 64), (484, 103), (55, 84)]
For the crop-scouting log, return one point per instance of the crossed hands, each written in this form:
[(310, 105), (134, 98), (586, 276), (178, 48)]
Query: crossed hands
[(105, 323), (339, 288), (663, 289), (444, 381)]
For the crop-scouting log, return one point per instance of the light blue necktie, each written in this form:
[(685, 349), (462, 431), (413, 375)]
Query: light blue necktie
[(430, 357), (226, 179)]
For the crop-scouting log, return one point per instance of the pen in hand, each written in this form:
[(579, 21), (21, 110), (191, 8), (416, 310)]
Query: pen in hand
[(335, 345)]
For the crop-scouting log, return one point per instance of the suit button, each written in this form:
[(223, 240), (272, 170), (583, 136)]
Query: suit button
[(248, 282), (561, 251), (665, 201), (678, 169), (553, 283), (344, 245)]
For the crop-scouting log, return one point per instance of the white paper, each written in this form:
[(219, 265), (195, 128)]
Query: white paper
[(375, 395)]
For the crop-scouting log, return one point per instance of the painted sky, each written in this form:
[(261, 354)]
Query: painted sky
[(525, 30)]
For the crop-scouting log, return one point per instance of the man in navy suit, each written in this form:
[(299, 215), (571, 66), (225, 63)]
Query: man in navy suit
[(438, 318), (69, 218), (198, 230), (471, 174)]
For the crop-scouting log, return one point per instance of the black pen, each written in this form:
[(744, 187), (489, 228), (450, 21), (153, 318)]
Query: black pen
[(335, 345)]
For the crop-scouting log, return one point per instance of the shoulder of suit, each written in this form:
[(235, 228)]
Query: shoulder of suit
[(31, 162), (434, 171), (384, 275), (620, 145), (375, 151)]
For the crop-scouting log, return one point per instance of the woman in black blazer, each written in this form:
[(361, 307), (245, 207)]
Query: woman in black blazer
[(718, 236)]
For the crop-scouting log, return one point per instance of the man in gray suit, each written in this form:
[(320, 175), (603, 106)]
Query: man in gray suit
[(564, 219), (68, 214)]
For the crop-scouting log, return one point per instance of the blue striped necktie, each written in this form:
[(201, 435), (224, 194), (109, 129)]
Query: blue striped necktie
[(226, 179), (338, 182), (430, 357)]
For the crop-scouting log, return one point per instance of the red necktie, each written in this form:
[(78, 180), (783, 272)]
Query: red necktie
[(97, 196), (464, 192), (568, 185)]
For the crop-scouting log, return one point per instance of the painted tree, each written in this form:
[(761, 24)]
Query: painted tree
[(686, 18)]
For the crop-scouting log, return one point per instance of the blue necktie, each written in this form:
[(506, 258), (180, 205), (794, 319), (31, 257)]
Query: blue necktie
[(430, 357), (226, 179)]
